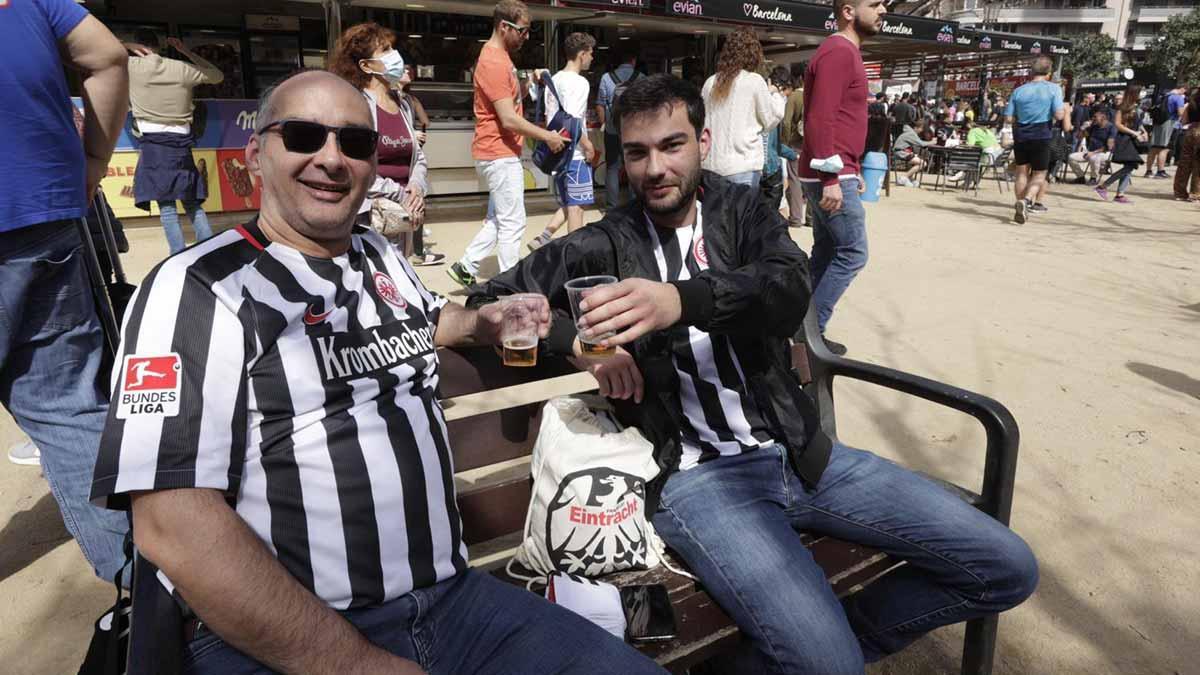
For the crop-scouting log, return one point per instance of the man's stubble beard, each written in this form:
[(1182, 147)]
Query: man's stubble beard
[(687, 193), (866, 30)]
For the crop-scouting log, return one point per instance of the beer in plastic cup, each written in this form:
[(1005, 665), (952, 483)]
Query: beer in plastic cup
[(519, 329), (577, 289)]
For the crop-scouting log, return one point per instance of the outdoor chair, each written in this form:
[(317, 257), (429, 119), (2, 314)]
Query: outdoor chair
[(899, 166), (961, 159), (999, 167)]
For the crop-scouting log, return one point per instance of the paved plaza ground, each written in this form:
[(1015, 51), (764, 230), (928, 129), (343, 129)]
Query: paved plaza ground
[(1085, 322)]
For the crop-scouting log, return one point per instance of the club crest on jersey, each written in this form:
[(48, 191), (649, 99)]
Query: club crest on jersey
[(387, 289), (701, 253), (149, 386)]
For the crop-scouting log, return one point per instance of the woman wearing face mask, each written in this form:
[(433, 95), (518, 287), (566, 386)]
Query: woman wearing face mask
[(364, 56)]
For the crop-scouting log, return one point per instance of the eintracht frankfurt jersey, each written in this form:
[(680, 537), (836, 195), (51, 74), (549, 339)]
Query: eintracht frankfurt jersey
[(303, 389), (719, 415)]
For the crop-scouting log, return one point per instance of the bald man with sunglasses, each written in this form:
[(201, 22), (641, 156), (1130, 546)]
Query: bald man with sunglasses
[(290, 472)]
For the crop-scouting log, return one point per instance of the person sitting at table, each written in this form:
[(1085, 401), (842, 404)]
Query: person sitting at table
[(981, 136), (906, 148)]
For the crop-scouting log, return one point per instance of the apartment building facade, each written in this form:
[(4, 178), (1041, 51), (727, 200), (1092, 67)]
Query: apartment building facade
[(1133, 23)]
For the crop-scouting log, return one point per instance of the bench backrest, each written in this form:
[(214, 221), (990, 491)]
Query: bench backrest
[(493, 419)]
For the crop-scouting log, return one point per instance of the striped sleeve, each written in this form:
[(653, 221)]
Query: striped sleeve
[(177, 417)]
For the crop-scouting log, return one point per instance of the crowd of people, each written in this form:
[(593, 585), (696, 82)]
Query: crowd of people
[(1038, 135), (300, 496)]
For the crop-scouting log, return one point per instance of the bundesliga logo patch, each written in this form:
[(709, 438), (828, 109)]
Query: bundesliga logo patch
[(149, 386)]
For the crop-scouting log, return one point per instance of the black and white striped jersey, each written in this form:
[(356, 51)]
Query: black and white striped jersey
[(719, 415), (304, 390)]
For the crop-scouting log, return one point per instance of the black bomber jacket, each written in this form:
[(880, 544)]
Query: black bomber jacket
[(755, 291)]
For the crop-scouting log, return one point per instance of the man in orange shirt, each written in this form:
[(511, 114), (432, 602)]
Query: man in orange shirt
[(496, 148)]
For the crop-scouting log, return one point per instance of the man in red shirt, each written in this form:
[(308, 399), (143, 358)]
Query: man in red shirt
[(496, 148), (835, 133)]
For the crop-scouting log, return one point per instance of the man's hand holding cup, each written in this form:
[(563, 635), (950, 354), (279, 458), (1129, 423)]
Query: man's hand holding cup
[(619, 313)]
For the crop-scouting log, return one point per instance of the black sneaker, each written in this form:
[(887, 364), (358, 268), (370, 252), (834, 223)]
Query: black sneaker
[(1038, 207), (837, 348), (1019, 215), (1148, 174), (1161, 175), (460, 275), (1079, 181), (429, 258), (1093, 182)]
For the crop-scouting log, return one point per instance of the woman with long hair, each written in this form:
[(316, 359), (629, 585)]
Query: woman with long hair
[(1188, 163), (739, 107), (1125, 152), (365, 56)]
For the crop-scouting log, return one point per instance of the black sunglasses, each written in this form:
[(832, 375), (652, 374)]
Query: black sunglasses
[(308, 137), (517, 27)]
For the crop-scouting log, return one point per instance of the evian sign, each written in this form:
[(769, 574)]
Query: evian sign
[(1055, 49), (831, 23), (1011, 44), (753, 11)]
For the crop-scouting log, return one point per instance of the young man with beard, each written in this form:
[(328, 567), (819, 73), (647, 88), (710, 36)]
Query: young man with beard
[(710, 286), (290, 472), (496, 148), (835, 132)]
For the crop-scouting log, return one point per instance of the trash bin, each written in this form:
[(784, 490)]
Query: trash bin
[(874, 168)]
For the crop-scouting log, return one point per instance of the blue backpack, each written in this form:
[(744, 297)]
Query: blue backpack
[(570, 128)]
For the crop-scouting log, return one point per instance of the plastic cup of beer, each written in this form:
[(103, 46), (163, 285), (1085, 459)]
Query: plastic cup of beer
[(577, 290), (519, 329)]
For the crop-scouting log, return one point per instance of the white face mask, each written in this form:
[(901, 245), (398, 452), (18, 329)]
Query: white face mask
[(393, 66)]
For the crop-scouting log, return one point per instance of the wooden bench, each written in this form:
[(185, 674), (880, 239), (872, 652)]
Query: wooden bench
[(493, 418)]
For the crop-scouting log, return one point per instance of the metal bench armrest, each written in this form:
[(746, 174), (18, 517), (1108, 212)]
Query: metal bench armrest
[(1003, 435)]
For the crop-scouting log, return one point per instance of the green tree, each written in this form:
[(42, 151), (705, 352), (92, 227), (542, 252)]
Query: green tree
[(1092, 56), (1176, 53)]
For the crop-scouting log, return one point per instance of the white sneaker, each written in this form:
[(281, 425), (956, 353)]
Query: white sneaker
[(956, 177), (25, 453), (902, 181)]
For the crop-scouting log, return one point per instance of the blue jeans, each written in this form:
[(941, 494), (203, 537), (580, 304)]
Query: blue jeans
[(1124, 175), (735, 520), (50, 350), (170, 222), (472, 623), (839, 246), (750, 178)]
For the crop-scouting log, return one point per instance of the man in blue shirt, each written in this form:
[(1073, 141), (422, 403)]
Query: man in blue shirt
[(1031, 111), (1101, 135), (1175, 104), (624, 73), (50, 339)]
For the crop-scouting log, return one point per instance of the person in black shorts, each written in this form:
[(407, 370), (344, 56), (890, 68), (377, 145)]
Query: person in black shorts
[(1032, 111)]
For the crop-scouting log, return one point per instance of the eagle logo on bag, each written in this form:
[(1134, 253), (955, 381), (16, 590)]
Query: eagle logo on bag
[(596, 522)]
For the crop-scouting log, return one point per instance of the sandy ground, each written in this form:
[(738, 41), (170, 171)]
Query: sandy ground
[(1084, 322)]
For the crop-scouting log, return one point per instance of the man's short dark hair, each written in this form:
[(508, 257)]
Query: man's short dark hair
[(781, 78), (147, 37), (798, 69), (662, 91), (880, 96), (576, 43), (1042, 65), (509, 10)]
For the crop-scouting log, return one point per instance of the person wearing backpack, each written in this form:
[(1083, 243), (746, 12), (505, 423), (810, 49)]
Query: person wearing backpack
[(574, 182), (1160, 136), (612, 84)]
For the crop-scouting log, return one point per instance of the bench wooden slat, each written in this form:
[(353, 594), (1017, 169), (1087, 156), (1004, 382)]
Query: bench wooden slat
[(495, 510)]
